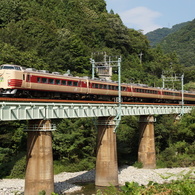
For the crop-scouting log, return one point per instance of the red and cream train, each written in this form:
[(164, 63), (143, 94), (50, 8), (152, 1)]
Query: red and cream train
[(16, 81)]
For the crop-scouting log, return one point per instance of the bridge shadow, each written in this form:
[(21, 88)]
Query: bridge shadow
[(70, 184)]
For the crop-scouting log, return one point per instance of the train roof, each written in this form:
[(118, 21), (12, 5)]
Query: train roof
[(11, 67)]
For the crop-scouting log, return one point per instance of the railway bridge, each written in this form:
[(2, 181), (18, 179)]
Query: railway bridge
[(39, 167)]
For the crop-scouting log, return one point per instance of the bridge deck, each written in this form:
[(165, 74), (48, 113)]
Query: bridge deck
[(35, 110)]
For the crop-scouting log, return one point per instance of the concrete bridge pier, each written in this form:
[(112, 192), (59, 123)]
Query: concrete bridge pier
[(39, 167), (106, 162), (146, 151)]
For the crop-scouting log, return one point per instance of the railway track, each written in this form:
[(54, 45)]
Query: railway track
[(7, 99)]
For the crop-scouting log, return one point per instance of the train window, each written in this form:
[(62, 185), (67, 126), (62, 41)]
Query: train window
[(28, 78), (57, 82), (51, 81), (101, 86), (113, 87), (116, 87), (23, 76), (17, 68), (96, 86), (75, 83), (38, 80), (63, 82), (169, 93), (44, 80), (188, 95), (7, 67), (105, 86), (109, 87), (70, 83)]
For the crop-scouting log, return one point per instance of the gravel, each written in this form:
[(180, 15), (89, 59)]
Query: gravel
[(66, 182)]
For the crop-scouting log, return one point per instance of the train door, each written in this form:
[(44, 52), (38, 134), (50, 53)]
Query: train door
[(84, 85), (28, 80)]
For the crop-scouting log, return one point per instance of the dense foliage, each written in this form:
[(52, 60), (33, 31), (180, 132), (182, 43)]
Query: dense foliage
[(183, 43), (182, 186), (175, 143), (12, 149), (74, 145), (156, 36), (58, 35), (179, 39), (61, 35)]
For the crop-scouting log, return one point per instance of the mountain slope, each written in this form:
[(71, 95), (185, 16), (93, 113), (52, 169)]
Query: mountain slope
[(183, 43), (158, 35)]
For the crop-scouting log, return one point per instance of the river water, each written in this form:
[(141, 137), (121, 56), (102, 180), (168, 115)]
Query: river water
[(87, 189)]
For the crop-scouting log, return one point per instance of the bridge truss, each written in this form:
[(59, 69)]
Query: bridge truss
[(33, 110)]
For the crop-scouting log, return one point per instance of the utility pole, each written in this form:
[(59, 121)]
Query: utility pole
[(174, 79), (140, 57), (104, 70)]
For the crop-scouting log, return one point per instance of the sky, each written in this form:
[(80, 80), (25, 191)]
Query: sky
[(149, 15)]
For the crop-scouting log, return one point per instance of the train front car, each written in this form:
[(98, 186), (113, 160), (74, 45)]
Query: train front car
[(11, 78)]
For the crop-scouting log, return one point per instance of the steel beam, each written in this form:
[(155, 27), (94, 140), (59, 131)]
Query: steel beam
[(33, 110)]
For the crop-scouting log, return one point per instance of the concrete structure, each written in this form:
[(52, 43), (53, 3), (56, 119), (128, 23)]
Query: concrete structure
[(106, 162), (39, 166), (39, 170), (146, 151)]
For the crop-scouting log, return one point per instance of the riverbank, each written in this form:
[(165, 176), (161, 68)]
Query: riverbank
[(66, 182)]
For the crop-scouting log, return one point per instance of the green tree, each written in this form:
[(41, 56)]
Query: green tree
[(127, 140), (12, 145), (75, 141)]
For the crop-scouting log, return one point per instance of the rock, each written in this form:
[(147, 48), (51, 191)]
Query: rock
[(66, 182)]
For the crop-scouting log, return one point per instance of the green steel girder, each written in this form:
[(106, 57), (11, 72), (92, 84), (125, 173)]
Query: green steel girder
[(31, 110)]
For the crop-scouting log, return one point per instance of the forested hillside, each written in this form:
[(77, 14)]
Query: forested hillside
[(183, 43), (179, 40), (156, 36), (58, 35)]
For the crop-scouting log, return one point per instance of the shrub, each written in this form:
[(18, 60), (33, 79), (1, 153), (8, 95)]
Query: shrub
[(18, 170), (180, 154)]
